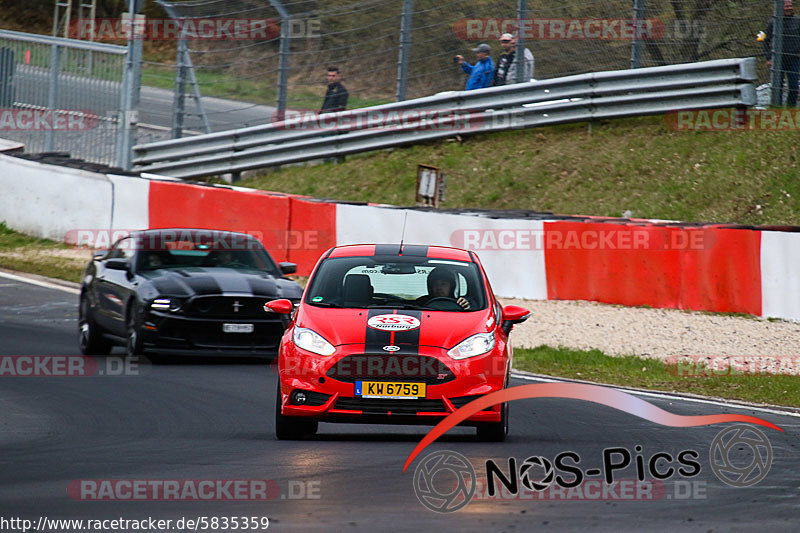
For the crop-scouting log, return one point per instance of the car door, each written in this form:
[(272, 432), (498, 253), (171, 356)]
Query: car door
[(114, 288)]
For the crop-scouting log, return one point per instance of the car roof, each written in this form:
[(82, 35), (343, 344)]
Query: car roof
[(417, 250), (185, 232)]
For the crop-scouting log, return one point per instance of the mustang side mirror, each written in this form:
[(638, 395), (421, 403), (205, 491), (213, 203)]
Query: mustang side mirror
[(118, 264), (282, 306), (287, 267), (513, 314)]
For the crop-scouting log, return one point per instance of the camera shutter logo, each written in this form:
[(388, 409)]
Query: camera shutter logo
[(449, 466), (536, 462), (732, 448)]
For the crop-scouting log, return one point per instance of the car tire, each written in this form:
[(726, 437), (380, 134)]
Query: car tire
[(291, 427), (495, 431), (90, 335), (134, 344)]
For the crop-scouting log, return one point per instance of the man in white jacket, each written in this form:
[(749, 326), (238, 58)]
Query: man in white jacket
[(505, 72)]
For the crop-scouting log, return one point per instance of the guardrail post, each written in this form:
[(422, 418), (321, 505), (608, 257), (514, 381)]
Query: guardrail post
[(52, 93), (636, 44), (405, 49), (777, 53), (522, 14)]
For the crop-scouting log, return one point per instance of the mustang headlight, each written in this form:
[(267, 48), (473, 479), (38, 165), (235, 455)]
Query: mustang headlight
[(312, 341), (478, 344), (166, 304)]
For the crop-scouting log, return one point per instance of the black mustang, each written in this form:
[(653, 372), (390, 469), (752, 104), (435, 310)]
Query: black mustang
[(184, 289)]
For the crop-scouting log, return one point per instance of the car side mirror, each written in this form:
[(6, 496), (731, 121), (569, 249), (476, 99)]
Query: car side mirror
[(98, 256), (282, 306), (513, 314), (118, 264), (287, 267)]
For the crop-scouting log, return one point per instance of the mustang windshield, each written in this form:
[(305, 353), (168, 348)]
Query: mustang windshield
[(206, 257), (398, 282)]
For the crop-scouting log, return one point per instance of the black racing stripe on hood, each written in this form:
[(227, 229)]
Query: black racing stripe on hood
[(263, 287), (376, 339), (387, 249), (415, 250), (175, 284), (408, 340)]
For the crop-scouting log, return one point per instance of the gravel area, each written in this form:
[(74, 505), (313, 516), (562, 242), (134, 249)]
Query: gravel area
[(654, 333)]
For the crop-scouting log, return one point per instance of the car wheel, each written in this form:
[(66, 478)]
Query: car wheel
[(133, 330), (90, 335), (495, 431), (291, 427)]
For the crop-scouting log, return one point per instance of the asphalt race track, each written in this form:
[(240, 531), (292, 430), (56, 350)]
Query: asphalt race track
[(211, 419)]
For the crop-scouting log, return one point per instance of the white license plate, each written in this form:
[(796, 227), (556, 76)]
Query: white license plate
[(237, 328)]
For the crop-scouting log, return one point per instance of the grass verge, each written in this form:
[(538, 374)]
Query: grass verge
[(637, 164), (40, 256), (631, 371)]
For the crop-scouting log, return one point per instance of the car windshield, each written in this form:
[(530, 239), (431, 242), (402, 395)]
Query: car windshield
[(200, 256), (398, 282)]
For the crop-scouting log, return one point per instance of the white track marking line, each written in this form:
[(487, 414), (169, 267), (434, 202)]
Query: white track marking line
[(39, 283), (667, 396)]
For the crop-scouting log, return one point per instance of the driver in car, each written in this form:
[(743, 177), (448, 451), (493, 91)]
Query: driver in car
[(442, 284)]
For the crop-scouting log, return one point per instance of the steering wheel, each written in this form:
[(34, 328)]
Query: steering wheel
[(451, 304)]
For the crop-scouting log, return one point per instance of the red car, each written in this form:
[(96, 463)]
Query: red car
[(394, 334)]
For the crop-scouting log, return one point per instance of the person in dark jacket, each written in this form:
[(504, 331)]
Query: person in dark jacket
[(789, 62), (336, 95)]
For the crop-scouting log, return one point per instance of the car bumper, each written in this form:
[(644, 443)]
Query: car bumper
[(171, 333), (331, 395)]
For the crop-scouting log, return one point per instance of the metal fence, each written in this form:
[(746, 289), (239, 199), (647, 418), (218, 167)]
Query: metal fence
[(66, 95), (389, 51), (647, 91)]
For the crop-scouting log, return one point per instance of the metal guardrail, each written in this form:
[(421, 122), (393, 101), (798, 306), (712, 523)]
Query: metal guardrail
[(585, 97)]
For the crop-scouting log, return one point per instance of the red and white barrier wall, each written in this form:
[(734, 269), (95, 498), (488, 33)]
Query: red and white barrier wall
[(672, 265)]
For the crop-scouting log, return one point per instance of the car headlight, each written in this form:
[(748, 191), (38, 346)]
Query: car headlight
[(478, 344), (166, 304), (312, 341)]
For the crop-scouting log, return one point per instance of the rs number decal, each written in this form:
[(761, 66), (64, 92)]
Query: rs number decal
[(393, 322)]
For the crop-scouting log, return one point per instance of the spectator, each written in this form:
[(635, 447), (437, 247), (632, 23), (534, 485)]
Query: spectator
[(506, 71), (336, 95), (788, 63), (480, 74)]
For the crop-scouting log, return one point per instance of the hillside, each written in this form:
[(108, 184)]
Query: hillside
[(635, 164)]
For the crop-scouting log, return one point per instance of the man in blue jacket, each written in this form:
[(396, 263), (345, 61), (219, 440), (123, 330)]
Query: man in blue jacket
[(789, 61), (481, 73)]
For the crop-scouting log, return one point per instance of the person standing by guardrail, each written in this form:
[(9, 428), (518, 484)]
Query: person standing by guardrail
[(505, 73), (481, 73), (788, 63), (336, 95)]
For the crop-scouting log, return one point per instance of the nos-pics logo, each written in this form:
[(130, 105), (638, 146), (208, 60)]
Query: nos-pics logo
[(445, 481)]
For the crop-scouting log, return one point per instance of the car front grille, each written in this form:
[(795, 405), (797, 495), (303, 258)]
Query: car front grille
[(416, 368), (373, 406), (233, 307)]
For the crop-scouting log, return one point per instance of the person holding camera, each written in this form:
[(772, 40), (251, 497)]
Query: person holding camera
[(481, 73)]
